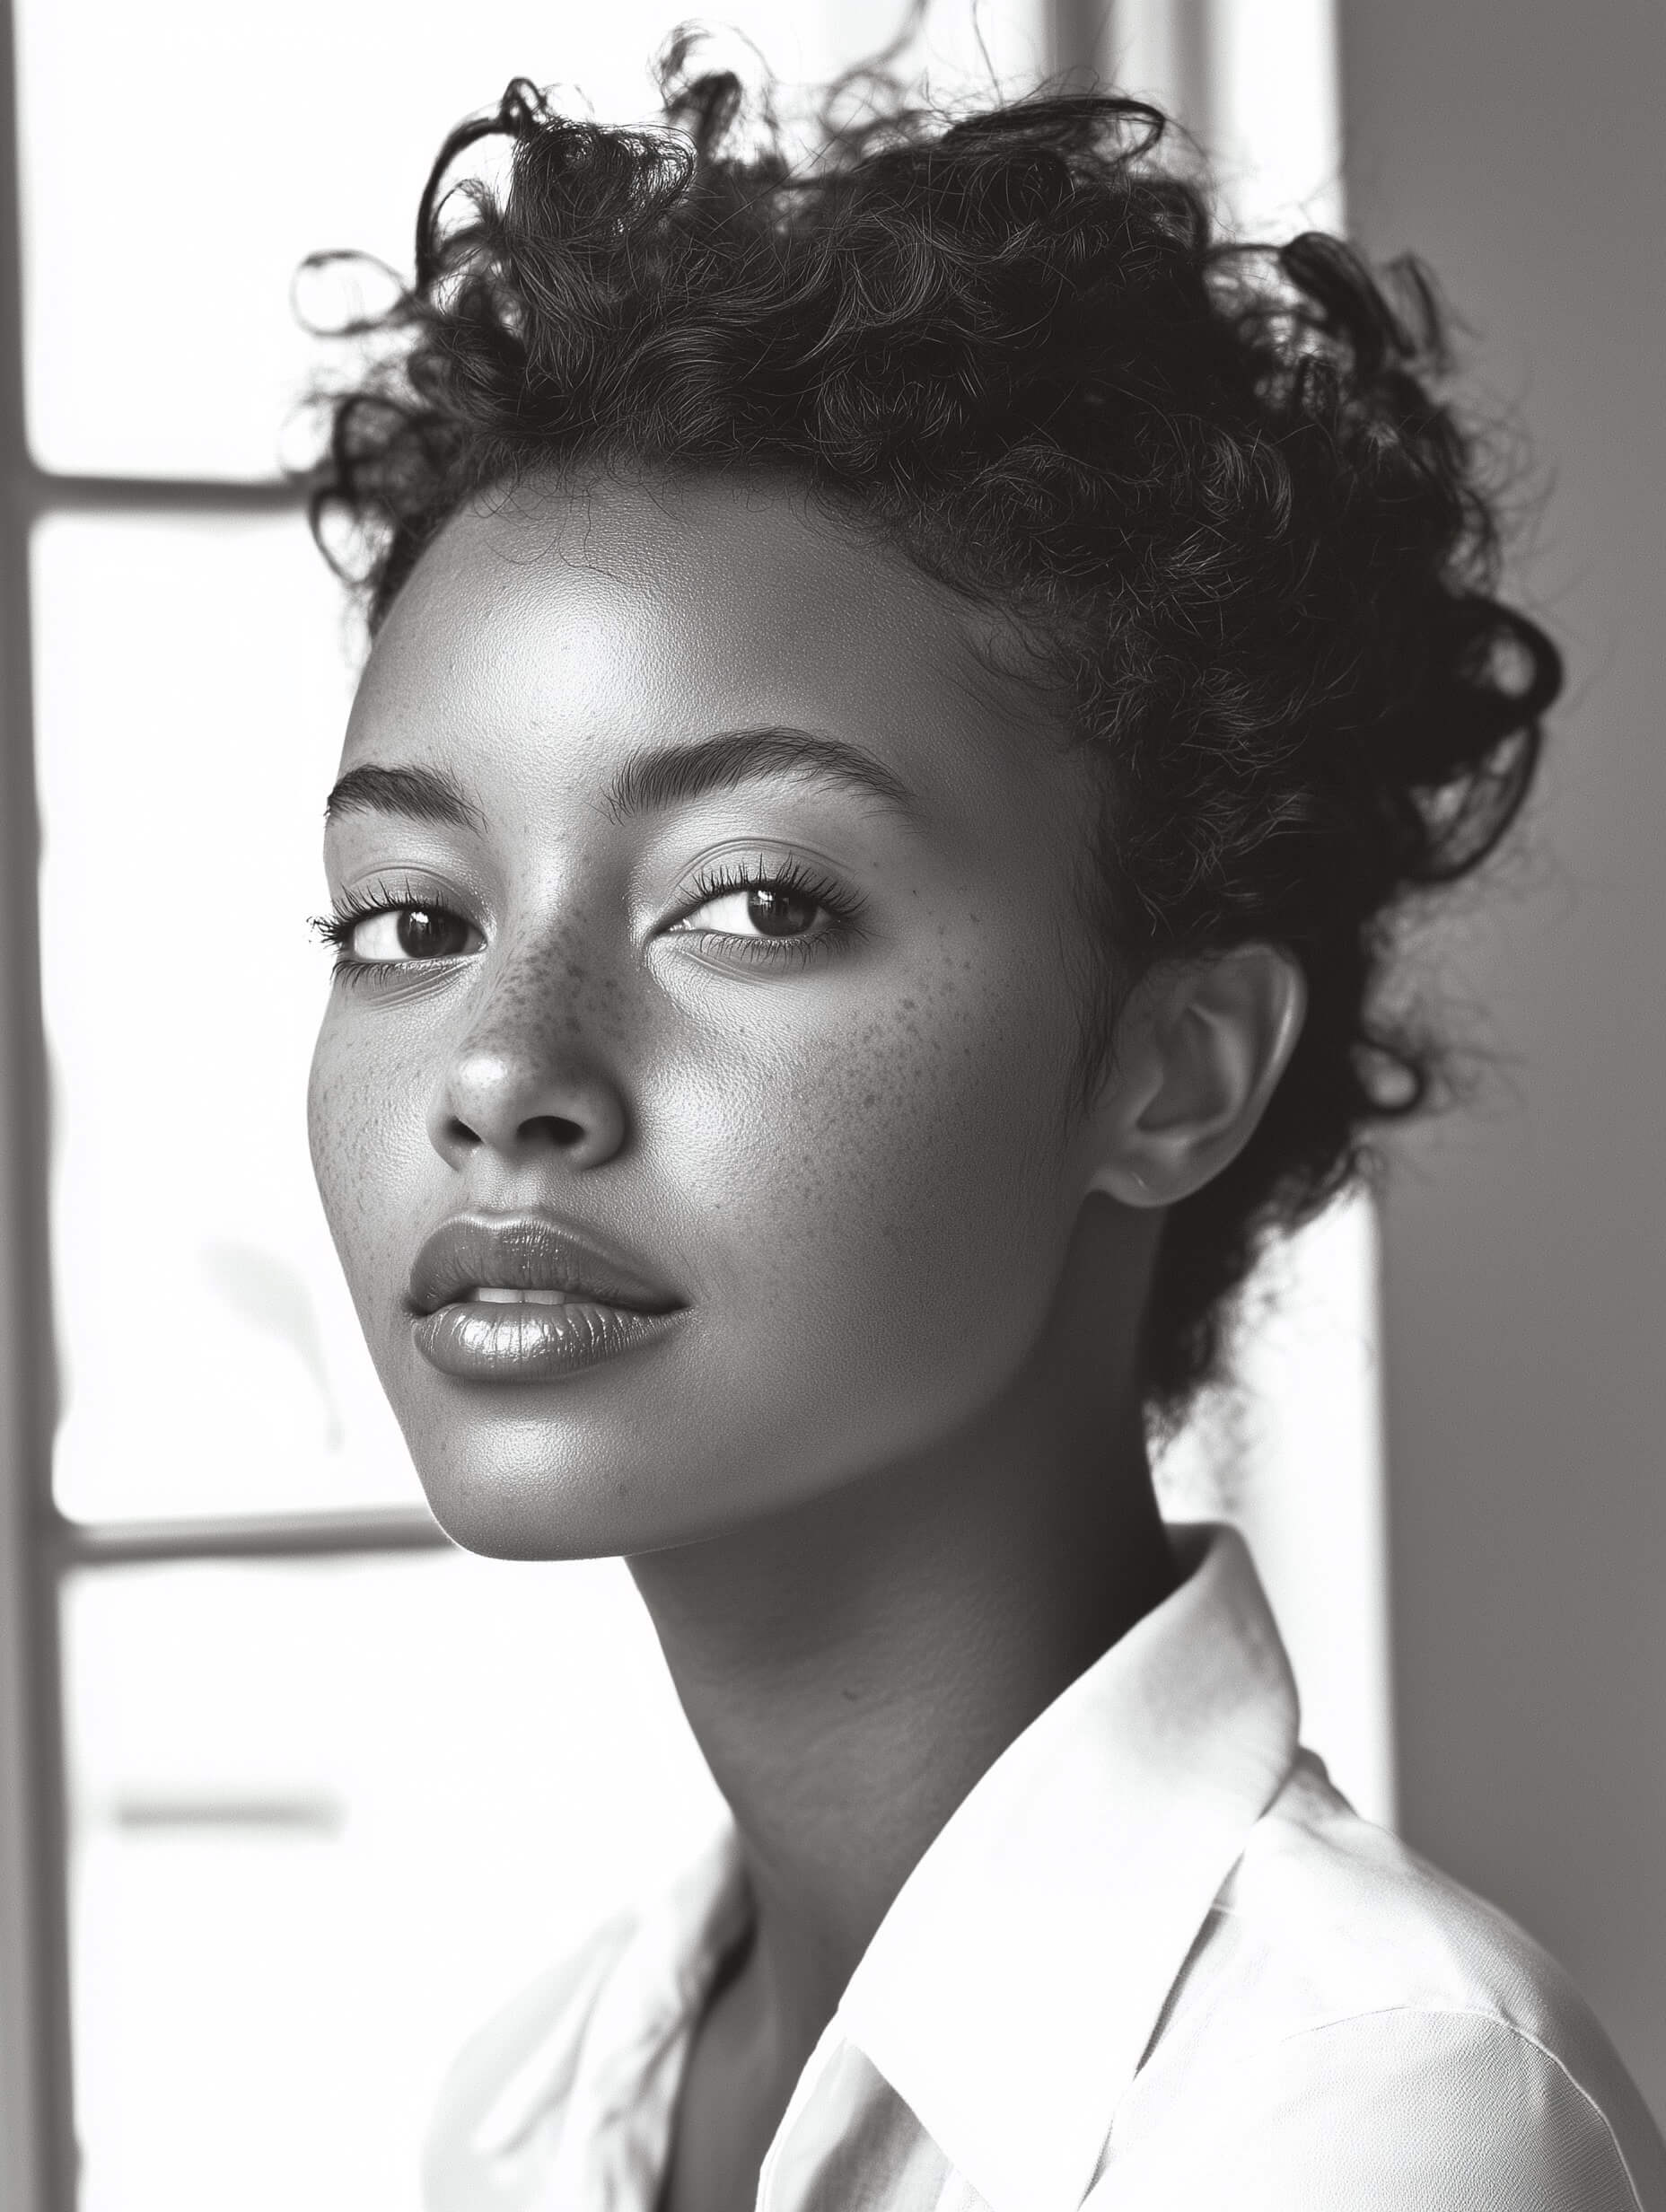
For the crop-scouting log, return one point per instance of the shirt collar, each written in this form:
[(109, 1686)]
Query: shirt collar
[(1014, 1986), (614, 2046)]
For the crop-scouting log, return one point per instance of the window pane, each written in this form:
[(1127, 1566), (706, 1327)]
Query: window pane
[(192, 682), (180, 159), (1291, 1451), (327, 1817)]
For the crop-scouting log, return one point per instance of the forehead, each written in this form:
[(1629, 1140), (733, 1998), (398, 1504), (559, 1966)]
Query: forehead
[(554, 629)]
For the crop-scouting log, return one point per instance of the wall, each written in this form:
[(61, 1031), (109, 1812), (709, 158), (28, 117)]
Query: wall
[(1525, 1245)]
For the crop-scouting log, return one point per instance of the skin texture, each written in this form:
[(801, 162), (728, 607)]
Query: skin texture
[(882, 1484)]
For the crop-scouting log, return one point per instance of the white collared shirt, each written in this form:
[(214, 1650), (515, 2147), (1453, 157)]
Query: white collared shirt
[(1154, 1962)]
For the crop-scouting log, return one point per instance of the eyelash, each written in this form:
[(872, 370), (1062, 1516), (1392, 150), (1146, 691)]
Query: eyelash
[(843, 910), (355, 906)]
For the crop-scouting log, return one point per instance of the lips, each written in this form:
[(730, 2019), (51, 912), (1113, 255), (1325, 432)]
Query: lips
[(517, 1297)]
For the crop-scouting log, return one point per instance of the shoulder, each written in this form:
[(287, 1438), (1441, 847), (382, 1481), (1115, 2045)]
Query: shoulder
[(502, 2096), (1354, 2029)]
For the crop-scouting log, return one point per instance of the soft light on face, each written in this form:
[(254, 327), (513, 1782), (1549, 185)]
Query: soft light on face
[(747, 968)]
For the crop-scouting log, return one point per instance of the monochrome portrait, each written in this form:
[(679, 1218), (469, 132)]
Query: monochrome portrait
[(833, 1246)]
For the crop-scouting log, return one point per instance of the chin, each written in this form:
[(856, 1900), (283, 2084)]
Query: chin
[(536, 1486), (507, 1494)]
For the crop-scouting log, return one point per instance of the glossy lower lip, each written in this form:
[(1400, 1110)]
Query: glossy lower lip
[(484, 1342)]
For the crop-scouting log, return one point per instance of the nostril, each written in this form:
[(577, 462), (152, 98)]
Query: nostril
[(537, 1133), (551, 1129), (499, 1103)]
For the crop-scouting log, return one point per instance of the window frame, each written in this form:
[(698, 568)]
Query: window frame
[(40, 1545)]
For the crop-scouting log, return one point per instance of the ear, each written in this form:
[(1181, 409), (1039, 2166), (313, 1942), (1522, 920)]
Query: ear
[(1198, 1049)]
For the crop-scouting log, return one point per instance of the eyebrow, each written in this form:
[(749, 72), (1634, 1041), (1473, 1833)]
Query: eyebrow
[(669, 775), (674, 774), (425, 794)]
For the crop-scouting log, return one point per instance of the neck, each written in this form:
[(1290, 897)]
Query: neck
[(851, 1669)]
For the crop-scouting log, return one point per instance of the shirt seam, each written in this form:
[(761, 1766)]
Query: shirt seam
[(1522, 2035)]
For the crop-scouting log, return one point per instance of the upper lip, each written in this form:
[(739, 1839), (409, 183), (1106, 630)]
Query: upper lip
[(526, 1251)]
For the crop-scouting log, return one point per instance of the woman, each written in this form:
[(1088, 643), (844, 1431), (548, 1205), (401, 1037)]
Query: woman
[(909, 694)]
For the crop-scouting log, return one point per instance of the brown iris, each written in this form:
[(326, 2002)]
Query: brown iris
[(776, 911), (424, 933)]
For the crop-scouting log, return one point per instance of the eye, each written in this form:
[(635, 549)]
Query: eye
[(772, 909), (393, 936)]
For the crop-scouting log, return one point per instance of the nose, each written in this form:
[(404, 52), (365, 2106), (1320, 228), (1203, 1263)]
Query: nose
[(528, 1092)]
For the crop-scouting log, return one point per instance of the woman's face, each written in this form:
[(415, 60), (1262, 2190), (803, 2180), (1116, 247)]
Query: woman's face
[(712, 1000)]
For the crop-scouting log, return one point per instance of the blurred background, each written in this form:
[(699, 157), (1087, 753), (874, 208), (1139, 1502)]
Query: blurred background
[(290, 1794)]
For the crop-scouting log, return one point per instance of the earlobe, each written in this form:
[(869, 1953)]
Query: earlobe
[(1200, 1052)]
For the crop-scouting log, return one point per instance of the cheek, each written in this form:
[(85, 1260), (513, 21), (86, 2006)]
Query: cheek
[(334, 1117), (881, 1169), (326, 1137), (362, 1149)]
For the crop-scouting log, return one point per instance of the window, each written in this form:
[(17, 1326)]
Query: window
[(1295, 1455), (290, 1791)]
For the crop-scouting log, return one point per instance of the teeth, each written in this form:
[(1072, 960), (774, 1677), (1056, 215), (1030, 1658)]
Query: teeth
[(493, 1294)]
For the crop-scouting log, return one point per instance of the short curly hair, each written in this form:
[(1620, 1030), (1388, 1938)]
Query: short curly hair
[(1253, 554)]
